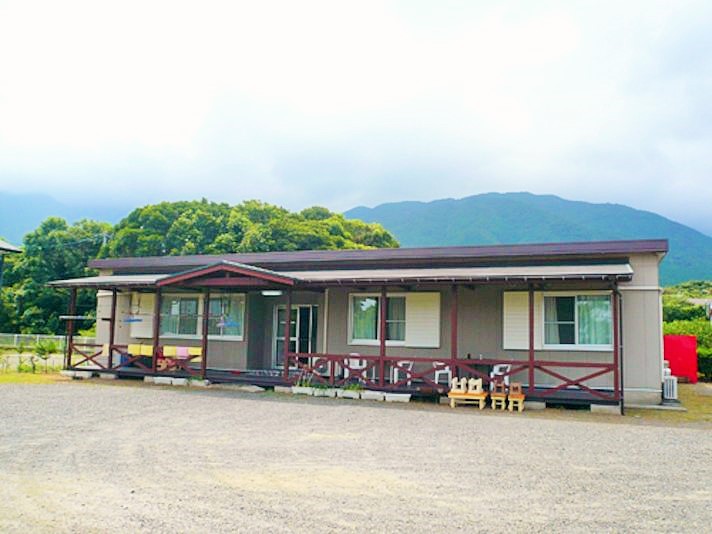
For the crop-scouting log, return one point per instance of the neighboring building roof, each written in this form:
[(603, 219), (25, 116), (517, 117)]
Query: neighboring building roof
[(346, 276), (397, 256), (7, 247)]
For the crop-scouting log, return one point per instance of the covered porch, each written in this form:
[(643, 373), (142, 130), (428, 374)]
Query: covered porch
[(548, 376)]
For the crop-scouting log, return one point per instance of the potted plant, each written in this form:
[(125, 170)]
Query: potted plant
[(350, 391), (302, 387)]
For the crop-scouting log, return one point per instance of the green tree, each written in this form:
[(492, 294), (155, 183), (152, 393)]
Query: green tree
[(55, 250), (203, 227)]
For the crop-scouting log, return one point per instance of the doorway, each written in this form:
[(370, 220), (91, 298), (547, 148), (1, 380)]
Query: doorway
[(302, 338)]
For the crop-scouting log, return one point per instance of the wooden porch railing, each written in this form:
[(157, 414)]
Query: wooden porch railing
[(116, 357), (375, 372)]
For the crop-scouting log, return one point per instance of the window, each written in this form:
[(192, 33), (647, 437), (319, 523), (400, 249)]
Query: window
[(578, 320), (226, 316), (395, 319), (179, 316), (365, 318)]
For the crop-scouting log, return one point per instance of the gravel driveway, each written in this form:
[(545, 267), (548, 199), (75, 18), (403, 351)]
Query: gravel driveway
[(95, 457)]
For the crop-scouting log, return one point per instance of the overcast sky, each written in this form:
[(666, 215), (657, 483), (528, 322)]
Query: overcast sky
[(347, 103)]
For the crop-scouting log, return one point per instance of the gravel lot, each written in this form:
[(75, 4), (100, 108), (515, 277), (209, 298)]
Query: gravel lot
[(95, 457)]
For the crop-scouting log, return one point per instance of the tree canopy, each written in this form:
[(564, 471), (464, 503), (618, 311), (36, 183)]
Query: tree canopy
[(203, 227), (57, 250)]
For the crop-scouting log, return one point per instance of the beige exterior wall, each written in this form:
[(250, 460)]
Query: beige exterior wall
[(480, 312), (642, 331)]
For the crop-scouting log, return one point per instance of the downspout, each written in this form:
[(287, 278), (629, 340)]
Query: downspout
[(325, 336), (619, 326)]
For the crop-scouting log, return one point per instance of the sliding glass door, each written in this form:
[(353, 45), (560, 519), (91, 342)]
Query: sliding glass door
[(302, 337)]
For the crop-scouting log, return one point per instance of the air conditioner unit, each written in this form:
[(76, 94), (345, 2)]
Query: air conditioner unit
[(670, 388)]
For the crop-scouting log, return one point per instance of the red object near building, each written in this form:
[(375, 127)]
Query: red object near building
[(681, 353)]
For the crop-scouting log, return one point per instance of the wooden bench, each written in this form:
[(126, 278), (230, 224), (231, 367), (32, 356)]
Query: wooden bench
[(466, 391)]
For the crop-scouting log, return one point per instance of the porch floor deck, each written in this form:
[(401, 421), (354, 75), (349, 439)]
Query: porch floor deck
[(274, 377)]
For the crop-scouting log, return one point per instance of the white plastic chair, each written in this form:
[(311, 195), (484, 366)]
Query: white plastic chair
[(356, 364), (402, 366), (441, 371), (500, 370)]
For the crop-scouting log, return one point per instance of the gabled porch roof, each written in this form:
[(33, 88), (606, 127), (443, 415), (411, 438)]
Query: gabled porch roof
[(233, 274)]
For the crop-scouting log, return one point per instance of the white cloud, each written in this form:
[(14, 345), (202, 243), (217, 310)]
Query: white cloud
[(341, 103)]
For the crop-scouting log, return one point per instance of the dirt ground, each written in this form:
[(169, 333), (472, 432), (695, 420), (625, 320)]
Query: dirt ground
[(97, 457)]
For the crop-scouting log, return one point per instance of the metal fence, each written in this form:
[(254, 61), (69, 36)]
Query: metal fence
[(29, 340)]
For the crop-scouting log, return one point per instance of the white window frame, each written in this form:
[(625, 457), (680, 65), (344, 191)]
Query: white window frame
[(373, 342), (199, 329), (576, 346)]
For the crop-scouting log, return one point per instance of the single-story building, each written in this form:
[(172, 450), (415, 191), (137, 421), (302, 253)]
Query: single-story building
[(573, 322)]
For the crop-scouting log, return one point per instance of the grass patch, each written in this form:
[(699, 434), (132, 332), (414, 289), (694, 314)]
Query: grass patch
[(697, 398), (13, 377)]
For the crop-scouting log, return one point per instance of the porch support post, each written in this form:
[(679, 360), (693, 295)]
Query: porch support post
[(112, 327), (453, 327), (383, 310), (70, 326), (204, 344), (287, 332), (616, 344), (156, 328), (531, 340)]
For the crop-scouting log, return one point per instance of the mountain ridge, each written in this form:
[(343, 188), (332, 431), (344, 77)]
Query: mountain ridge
[(510, 218)]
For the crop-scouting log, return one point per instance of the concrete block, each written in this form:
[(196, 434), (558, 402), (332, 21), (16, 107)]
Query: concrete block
[(107, 376), (324, 392), (349, 394), (534, 405), (398, 397), (283, 389), (610, 409), (163, 380), (148, 379), (199, 383), (372, 395), (83, 374), (179, 381), (67, 373), (250, 388)]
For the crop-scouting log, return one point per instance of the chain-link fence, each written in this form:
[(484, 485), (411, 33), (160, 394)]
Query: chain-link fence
[(13, 341)]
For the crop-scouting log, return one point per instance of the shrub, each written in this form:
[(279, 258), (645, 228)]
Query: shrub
[(704, 362), (45, 349), (700, 328)]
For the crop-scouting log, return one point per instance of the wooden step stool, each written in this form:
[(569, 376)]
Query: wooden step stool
[(499, 396), (516, 397)]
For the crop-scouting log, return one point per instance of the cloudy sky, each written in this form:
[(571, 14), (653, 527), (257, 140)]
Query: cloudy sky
[(347, 103)]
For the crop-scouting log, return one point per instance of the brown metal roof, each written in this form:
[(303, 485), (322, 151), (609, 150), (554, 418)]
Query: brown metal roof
[(317, 258)]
